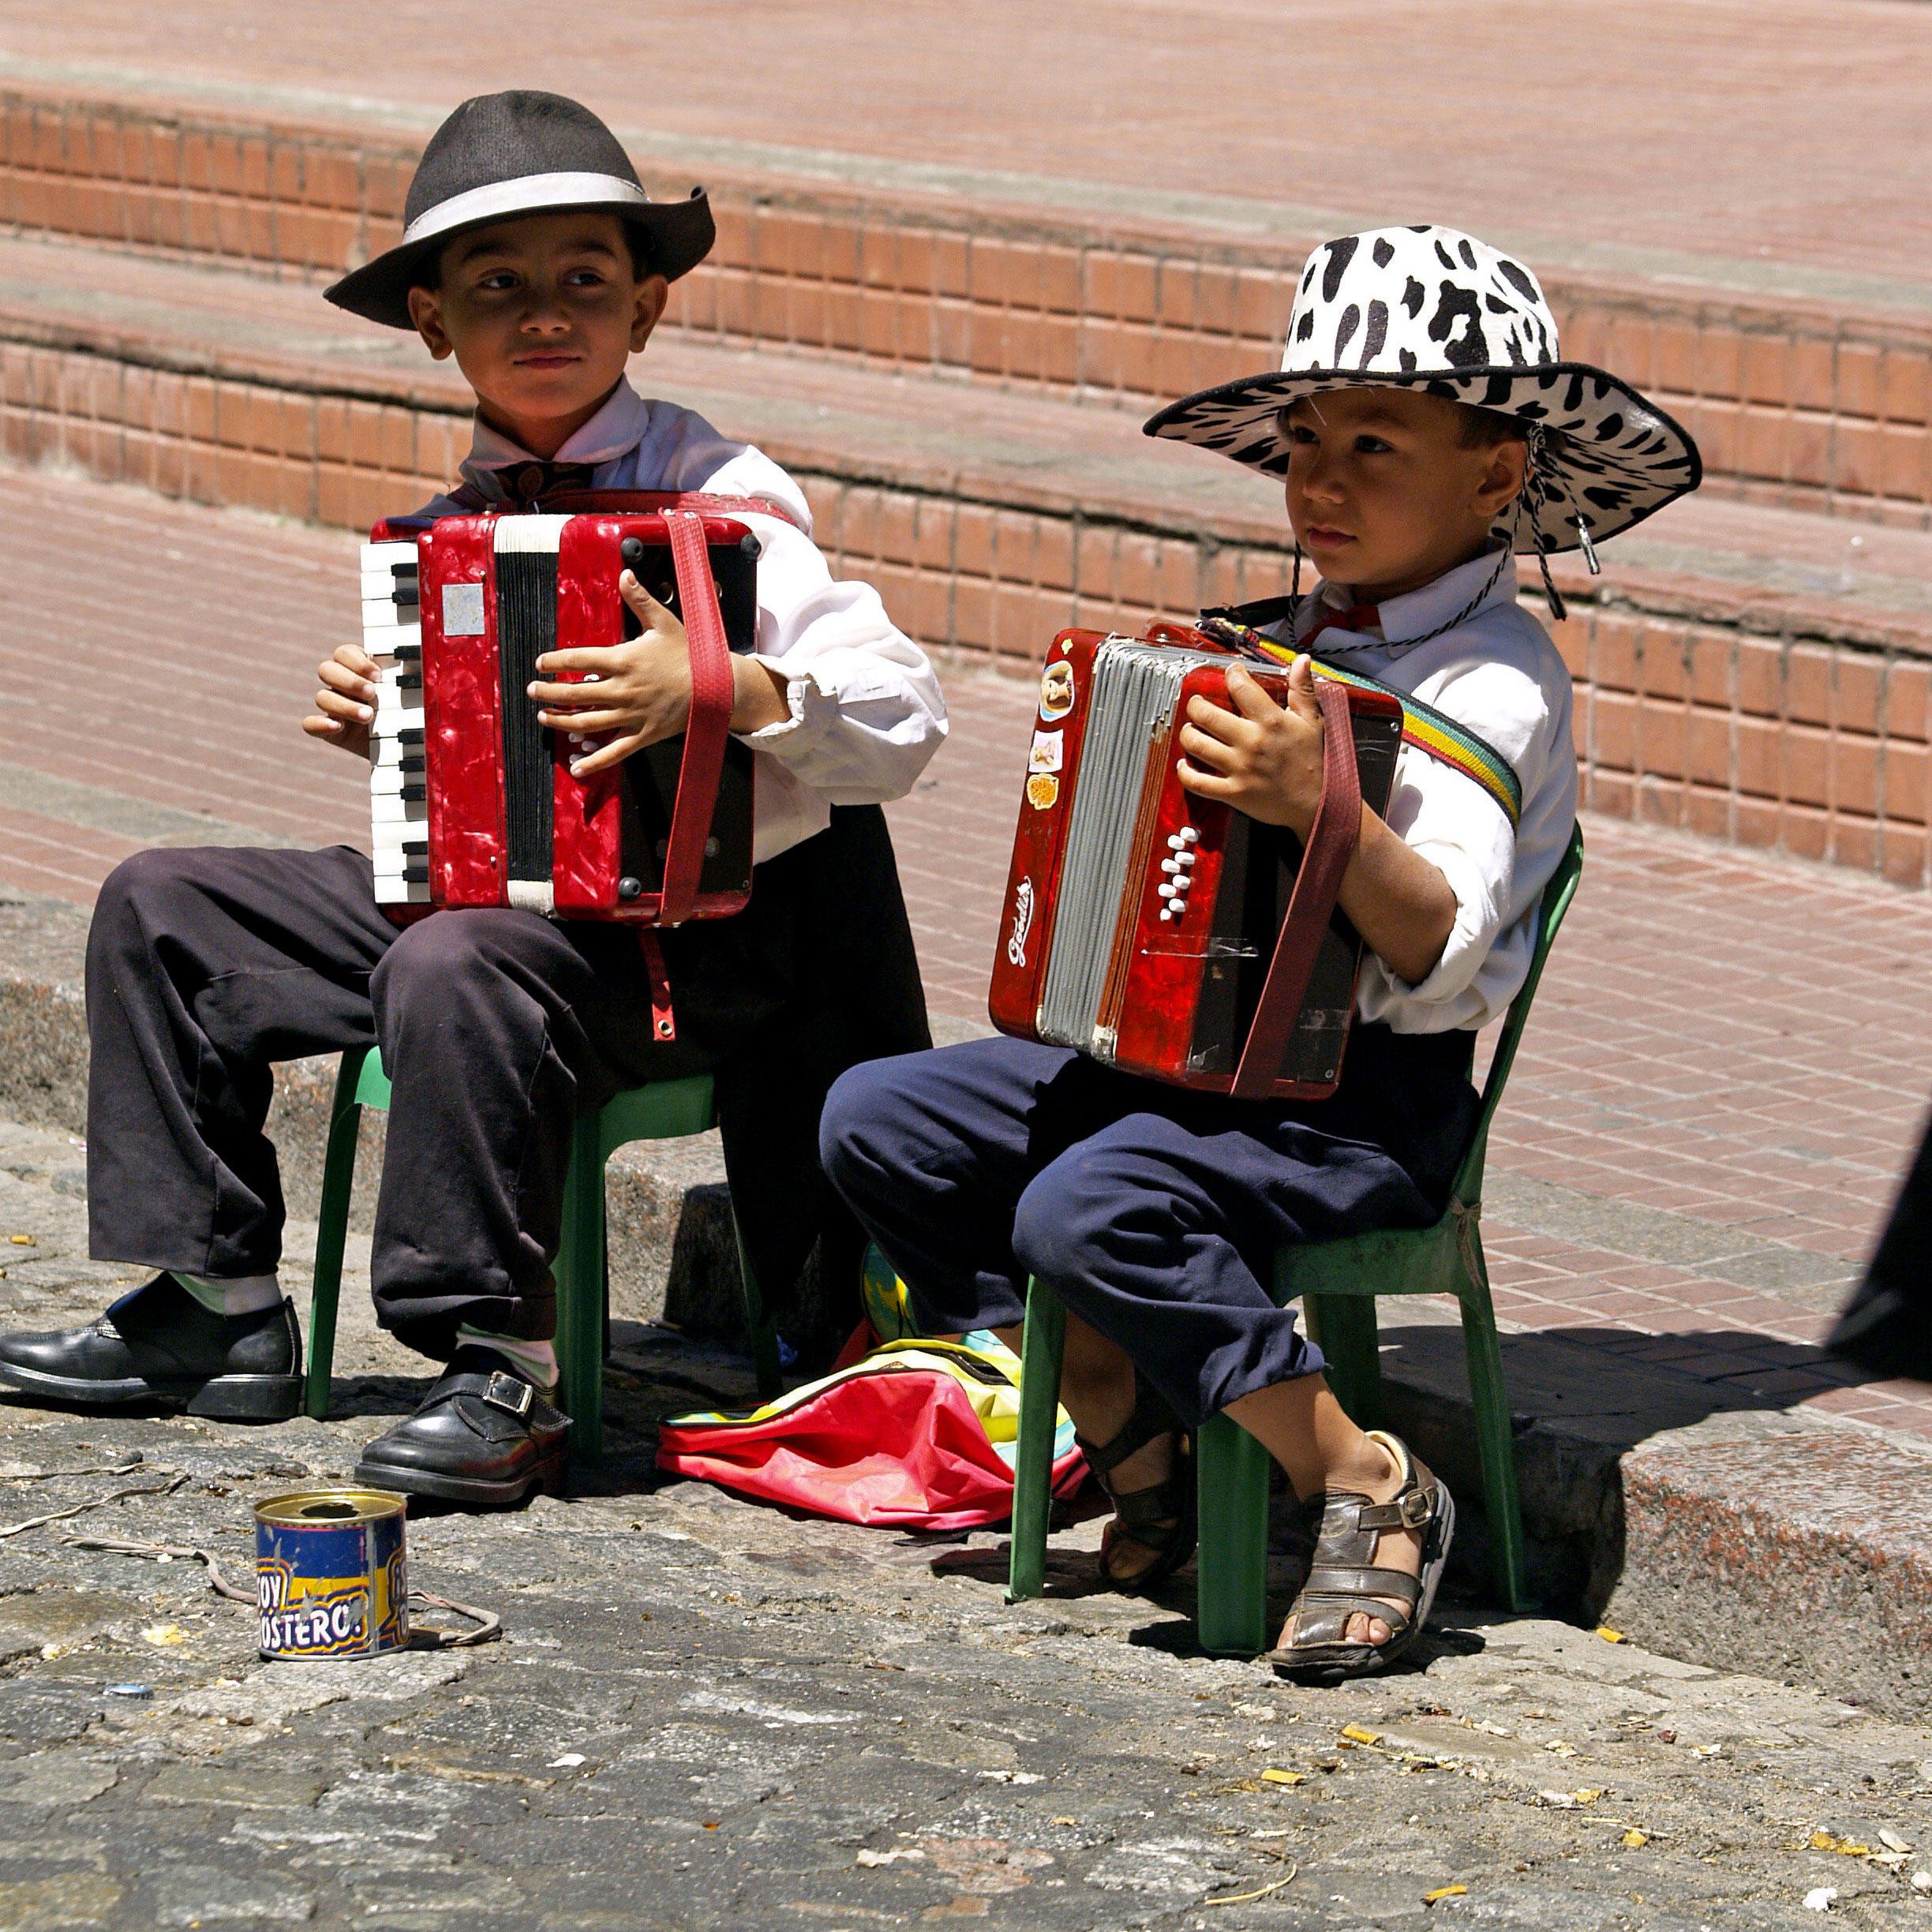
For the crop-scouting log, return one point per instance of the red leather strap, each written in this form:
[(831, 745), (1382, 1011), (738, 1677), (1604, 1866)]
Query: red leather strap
[(1331, 842), (709, 724), (664, 1022), (649, 502)]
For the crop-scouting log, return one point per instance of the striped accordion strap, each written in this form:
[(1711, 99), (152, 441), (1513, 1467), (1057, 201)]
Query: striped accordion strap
[(1429, 730)]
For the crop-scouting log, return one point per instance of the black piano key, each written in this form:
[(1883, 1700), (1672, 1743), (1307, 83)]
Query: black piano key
[(410, 738), (414, 794), (416, 872)]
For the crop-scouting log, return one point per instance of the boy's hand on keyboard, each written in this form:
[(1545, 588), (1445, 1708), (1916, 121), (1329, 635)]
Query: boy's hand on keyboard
[(346, 704), (1263, 759), (633, 693)]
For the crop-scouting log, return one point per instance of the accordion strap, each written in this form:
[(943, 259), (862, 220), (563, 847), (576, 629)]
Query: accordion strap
[(1331, 842), (1430, 731), (709, 724)]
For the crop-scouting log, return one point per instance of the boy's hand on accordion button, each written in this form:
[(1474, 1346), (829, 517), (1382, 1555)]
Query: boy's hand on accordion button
[(642, 688), (346, 703), (1264, 758), (632, 694)]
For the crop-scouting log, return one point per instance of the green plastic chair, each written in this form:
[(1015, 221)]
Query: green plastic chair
[(1338, 1282), (665, 1110)]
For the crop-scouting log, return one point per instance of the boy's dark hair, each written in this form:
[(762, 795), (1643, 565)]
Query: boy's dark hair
[(635, 241), (1485, 428)]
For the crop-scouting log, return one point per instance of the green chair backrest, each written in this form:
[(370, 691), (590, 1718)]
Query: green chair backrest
[(1554, 903)]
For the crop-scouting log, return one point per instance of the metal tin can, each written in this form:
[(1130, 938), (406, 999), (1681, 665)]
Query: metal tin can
[(332, 1579)]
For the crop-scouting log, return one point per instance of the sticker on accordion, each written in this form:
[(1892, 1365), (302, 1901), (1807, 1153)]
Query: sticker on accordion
[(1046, 754), (1043, 789), (463, 610), (1056, 691), (1023, 922)]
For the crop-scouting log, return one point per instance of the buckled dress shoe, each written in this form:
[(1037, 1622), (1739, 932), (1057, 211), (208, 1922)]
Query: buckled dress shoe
[(158, 1344), (483, 1435)]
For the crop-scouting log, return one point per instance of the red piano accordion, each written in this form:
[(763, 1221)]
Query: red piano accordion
[(472, 802), (1167, 934)]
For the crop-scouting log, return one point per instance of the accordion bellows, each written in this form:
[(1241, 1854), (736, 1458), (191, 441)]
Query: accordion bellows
[(1167, 934), (473, 802)]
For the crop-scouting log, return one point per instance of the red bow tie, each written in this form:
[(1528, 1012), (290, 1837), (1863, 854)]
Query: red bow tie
[(1356, 617)]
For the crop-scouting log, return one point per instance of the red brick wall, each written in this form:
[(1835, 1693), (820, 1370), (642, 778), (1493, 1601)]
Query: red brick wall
[(1819, 748), (1810, 409)]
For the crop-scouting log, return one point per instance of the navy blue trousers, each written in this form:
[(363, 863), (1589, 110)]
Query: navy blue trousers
[(1155, 1212)]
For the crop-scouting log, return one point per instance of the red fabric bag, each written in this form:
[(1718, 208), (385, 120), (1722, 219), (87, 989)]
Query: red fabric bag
[(915, 1435)]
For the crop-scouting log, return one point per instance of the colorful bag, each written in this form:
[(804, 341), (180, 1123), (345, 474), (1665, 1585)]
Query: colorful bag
[(912, 1434)]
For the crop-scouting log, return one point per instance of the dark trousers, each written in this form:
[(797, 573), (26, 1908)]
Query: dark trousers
[(497, 1029), (1155, 1212)]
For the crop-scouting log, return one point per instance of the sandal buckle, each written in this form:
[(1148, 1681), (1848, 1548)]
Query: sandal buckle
[(1417, 1509)]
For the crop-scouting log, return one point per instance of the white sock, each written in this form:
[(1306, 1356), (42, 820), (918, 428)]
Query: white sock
[(248, 1296), (537, 1360)]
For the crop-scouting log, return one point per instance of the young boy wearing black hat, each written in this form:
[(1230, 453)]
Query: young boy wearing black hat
[(1426, 432), (532, 255)]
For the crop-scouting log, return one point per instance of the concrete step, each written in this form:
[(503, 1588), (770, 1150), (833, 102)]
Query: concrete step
[(1805, 388), (1753, 672)]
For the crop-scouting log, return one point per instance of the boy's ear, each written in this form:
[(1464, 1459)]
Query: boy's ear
[(426, 307), (652, 292), (1503, 477)]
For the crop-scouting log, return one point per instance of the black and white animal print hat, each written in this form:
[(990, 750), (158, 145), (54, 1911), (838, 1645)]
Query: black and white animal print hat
[(1430, 308)]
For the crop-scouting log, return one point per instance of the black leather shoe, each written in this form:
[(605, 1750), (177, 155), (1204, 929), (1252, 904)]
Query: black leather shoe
[(482, 1435), (158, 1344)]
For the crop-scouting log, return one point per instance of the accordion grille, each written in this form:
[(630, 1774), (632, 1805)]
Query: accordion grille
[(1131, 701), (526, 606)]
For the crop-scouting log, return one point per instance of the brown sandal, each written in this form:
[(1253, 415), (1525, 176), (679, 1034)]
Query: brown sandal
[(1344, 1582), (1159, 1516)]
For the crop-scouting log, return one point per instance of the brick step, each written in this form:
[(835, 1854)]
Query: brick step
[(1810, 401), (1756, 673)]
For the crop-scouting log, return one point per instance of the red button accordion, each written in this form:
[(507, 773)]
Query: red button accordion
[(472, 802), (1168, 934)]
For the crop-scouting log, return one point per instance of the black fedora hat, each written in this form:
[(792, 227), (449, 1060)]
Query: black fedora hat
[(501, 156)]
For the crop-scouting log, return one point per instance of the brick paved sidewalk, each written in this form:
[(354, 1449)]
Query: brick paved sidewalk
[(1726, 1069), (1775, 146)]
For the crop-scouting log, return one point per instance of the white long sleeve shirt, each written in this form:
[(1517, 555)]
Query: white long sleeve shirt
[(1498, 673), (866, 709)]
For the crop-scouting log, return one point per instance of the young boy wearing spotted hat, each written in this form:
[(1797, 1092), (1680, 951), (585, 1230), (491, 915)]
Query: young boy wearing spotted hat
[(1427, 433), (532, 256)]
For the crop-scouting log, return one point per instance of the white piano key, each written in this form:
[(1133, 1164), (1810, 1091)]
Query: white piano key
[(389, 750), (391, 808), (381, 555), (381, 613)]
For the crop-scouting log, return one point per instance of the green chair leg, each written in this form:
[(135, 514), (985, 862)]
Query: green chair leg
[(332, 1229), (764, 1336), (578, 1272), (1041, 1350), (1343, 1327), (1231, 1482), (1490, 1399)]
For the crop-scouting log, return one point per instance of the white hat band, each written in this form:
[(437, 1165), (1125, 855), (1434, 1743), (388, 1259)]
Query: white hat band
[(524, 195)]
